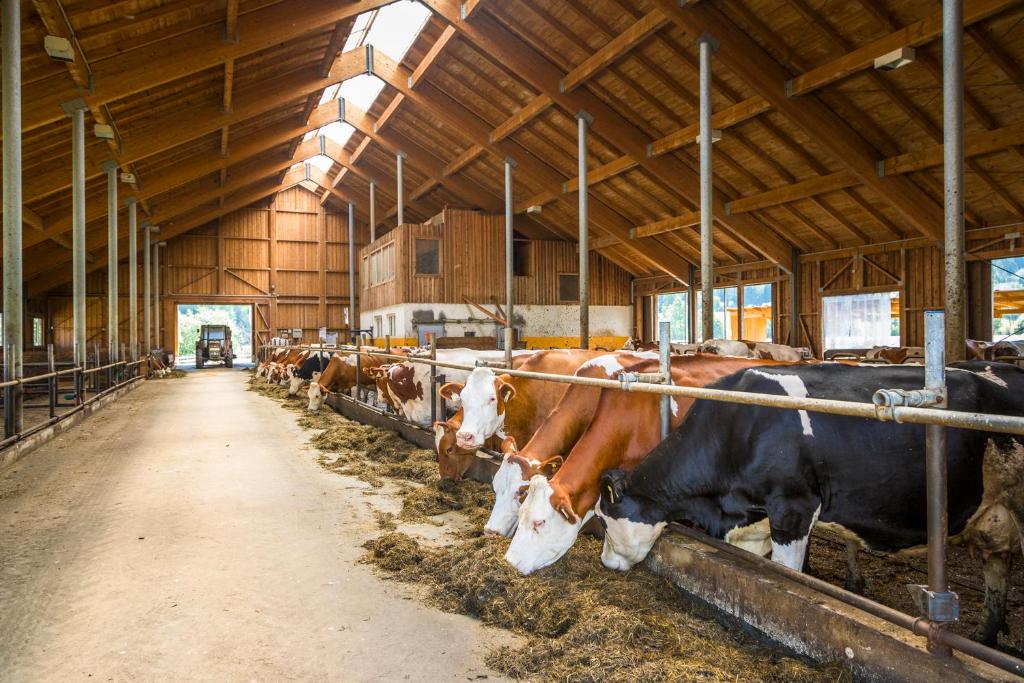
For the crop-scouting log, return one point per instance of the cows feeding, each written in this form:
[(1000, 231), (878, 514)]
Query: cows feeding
[(543, 450), (315, 363), (730, 466), (408, 382), (624, 428), (340, 374), (750, 349)]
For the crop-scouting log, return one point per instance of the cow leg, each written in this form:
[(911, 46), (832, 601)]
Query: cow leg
[(854, 579), (791, 522), (996, 568)]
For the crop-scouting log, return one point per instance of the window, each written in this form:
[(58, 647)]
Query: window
[(860, 321), (1008, 298), (428, 256), (675, 308), (568, 287), (37, 331), (521, 258), (378, 325), (757, 312), (382, 264), (724, 315), (391, 324)]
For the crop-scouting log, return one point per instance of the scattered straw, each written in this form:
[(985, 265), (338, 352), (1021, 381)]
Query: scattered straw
[(173, 374), (584, 622)]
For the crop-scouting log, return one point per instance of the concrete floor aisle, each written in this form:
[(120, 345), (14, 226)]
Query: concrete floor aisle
[(186, 533)]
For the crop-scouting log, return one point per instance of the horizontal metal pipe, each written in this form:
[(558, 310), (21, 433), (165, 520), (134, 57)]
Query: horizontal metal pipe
[(947, 418)]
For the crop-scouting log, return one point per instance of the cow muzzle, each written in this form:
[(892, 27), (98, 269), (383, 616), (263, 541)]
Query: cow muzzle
[(467, 440)]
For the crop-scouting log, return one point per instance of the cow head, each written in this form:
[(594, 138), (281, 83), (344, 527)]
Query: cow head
[(294, 383), (546, 528), (261, 369), (512, 477), (632, 523), (317, 392), (453, 462), (483, 398)]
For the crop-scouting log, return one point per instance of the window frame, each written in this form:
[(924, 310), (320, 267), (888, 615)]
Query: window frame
[(416, 239), (376, 265), (30, 332), (558, 288), (899, 296)]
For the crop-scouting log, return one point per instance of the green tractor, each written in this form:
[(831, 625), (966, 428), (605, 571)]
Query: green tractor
[(214, 346)]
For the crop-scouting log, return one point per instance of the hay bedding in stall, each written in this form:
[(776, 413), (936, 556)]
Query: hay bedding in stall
[(582, 622), (173, 374)]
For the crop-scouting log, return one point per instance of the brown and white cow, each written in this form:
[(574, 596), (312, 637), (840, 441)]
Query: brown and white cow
[(489, 423), (543, 452), (625, 427), (340, 374), (750, 349), (279, 371), (409, 381), (264, 366)]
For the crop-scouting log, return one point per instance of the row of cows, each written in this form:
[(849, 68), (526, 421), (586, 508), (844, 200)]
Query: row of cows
[(759, 478)]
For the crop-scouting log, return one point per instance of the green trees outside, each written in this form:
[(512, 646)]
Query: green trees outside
[(193, 316)]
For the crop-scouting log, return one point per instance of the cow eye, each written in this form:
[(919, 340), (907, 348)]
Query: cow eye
[(492, 399)]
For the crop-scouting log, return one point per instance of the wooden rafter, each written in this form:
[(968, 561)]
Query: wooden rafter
[(614, 50)]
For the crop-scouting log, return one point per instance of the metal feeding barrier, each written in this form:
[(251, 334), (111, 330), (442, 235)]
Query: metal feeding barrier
[(928, 406), (117, 374)]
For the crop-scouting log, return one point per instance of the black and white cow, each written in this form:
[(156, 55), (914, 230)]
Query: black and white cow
[(729, 467), (314, 363)]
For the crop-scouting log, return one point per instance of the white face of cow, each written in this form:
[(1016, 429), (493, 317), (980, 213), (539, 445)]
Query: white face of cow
[(480, 405), (542, 534), (261, 369), (315, 394), (626, 542), (294, 384), (506, 483)]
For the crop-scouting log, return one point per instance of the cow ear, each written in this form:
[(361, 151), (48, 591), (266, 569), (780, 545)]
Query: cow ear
[(521, 493), (508, 446), (613, 485), (551, 465), (452, 389), (566, 511), (505, 389)]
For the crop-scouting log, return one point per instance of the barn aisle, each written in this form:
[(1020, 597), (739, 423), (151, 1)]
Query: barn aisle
[(184, 533)]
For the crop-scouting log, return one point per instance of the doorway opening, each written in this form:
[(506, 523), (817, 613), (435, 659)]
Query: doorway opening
[(191, 318)]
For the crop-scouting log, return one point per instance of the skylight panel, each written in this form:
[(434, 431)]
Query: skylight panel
[(321, 162)]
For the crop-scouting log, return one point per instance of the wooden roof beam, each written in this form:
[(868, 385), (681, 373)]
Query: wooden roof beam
[(180, 56), (720, 120), (686, 220), (793, 192), (532, 110), (919, 33), (617, 48), (428, 61), (750, 62), (545, 77), (459, 119)]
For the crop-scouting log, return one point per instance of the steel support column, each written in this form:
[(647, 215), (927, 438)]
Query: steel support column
[(353, 323), (147, 282), (794, 300), (12, 220), (707, 265), (953, 176), (509, 258), (583, 120), (133, 278), (373, 211), (76, 110), (110, 167), (158, 339), (399, 162)]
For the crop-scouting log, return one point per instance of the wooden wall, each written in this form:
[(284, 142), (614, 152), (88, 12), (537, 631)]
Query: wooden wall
[(288, 260), (473, 266)]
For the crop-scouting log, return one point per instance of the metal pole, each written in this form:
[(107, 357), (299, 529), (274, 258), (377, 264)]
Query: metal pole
[(373, 211), (953, 175), (133, 278), (433, 379), (940, 600), (707, 265), (13, 332), (794, 300), (583, 119), (509, 265), (112, 301), (76, 110), (158, 341), (147, 282), (51, 384), (353, 323), (664, 348), (399, 158)]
